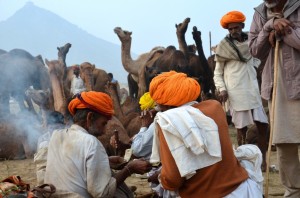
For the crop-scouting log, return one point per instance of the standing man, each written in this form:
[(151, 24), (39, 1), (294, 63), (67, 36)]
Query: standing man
[(77, 84), (280, 19), (235, 79), (77, 163)]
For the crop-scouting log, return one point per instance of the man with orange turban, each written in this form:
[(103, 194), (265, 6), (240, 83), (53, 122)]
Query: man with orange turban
[(236, 81), (191, 141), (77, 163)]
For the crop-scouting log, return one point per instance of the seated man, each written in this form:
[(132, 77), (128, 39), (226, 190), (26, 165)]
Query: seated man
[(191, 141), (77, 162)]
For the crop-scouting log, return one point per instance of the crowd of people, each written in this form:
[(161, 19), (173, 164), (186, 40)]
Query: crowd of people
[(184, 145)]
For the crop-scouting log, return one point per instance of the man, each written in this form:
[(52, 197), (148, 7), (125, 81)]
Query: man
[(77, 163), (280, 19), (141, 143), (235, 79), (192, 143), (77, 84)]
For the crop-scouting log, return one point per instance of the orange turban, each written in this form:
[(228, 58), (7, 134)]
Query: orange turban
[(96, 101), (174, 89), (232, 17)]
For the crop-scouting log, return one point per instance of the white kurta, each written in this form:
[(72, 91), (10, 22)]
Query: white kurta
[(239, 80), (77, 162), (77, 85)]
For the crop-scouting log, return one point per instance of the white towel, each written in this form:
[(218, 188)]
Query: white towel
[(250, 157), (192, 138)]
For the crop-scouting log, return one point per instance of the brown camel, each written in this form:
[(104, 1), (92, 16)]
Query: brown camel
[(135, 67), (197, 65)]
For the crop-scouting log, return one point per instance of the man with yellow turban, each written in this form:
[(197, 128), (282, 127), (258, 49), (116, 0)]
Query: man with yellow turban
[(236, 81), (77, 163), (191, 141)]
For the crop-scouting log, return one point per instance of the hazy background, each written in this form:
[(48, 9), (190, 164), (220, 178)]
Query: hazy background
[(89, 25)]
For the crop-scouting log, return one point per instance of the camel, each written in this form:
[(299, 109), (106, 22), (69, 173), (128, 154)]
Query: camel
[(128, 113), (198, 65), (135, 67)]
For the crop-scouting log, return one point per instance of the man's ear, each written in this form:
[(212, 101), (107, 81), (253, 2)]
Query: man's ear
[(89, 119)]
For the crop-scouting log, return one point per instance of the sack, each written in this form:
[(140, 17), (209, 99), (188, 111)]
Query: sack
[(15, 187)]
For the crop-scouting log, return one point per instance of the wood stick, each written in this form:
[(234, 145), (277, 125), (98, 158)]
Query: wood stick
[(272, 116)]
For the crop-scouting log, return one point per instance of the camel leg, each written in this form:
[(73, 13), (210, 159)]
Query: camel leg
[(241, 136), (262, 141)]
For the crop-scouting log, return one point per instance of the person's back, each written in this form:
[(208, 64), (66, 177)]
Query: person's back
[(70, 150), (217, 180)]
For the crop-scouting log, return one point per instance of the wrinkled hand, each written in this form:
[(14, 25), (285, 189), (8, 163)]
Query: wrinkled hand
[(147, 117), (139, 166), (283, 26), (154, 178), (223, 96)]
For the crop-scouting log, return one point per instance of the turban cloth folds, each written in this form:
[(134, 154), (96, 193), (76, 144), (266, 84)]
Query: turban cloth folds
[(146, 102), (174, 89), (96, 101), (232, 17)]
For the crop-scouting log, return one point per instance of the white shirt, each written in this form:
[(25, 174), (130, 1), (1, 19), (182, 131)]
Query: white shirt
[(77, 85), (142, 142), (77, 162), (239, 80)]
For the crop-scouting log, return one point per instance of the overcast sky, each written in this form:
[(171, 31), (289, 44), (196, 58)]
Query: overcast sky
[(151, 21)]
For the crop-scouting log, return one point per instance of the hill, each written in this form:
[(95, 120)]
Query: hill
[(40, 31)]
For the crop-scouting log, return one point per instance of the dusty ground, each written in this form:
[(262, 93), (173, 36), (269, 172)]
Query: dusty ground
[(26, 169)]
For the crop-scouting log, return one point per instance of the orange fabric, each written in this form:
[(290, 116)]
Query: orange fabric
[(232, 17), (214, 181), (174, 89), (96, 101)]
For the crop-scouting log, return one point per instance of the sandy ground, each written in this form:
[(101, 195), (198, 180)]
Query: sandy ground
[(26, 169)]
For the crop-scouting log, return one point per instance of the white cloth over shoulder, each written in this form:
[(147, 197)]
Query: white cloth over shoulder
[(192, 138), (250, 157)]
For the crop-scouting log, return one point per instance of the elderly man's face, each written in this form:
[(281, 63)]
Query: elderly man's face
[(271, 3), (97, 126), (235, 30)]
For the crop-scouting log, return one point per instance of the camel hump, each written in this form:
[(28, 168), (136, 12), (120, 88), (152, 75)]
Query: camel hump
[(155, 50), (20, 53)]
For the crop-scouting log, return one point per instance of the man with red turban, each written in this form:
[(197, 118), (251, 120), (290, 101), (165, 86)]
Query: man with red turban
[(77, 163), (236, 81), (192, 143)]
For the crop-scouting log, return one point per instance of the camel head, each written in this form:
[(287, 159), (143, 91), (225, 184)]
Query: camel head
[(86, 73), (62, 51), (54, 66), (40, 97), (181, 28), (123, 34)]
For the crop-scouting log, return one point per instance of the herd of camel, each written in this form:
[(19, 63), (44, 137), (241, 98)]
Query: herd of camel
[(48, 86)]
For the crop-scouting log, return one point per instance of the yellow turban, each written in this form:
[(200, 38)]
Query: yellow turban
[(146, 102), (96, 101), (174, 89), (232, 17)]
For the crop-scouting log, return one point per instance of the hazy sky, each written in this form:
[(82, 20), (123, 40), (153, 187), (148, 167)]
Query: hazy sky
[(151, 21)]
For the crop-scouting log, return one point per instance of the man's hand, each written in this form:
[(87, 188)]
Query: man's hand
[(139, 166), (116, 162), (147, 117), (223, 96), (283, 26), (154, 178)]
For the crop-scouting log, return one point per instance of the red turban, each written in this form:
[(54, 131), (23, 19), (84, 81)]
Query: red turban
[(232, 17), (96, 101), (174, 89)]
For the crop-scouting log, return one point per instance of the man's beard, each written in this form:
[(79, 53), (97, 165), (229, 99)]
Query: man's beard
[(271, 5)]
